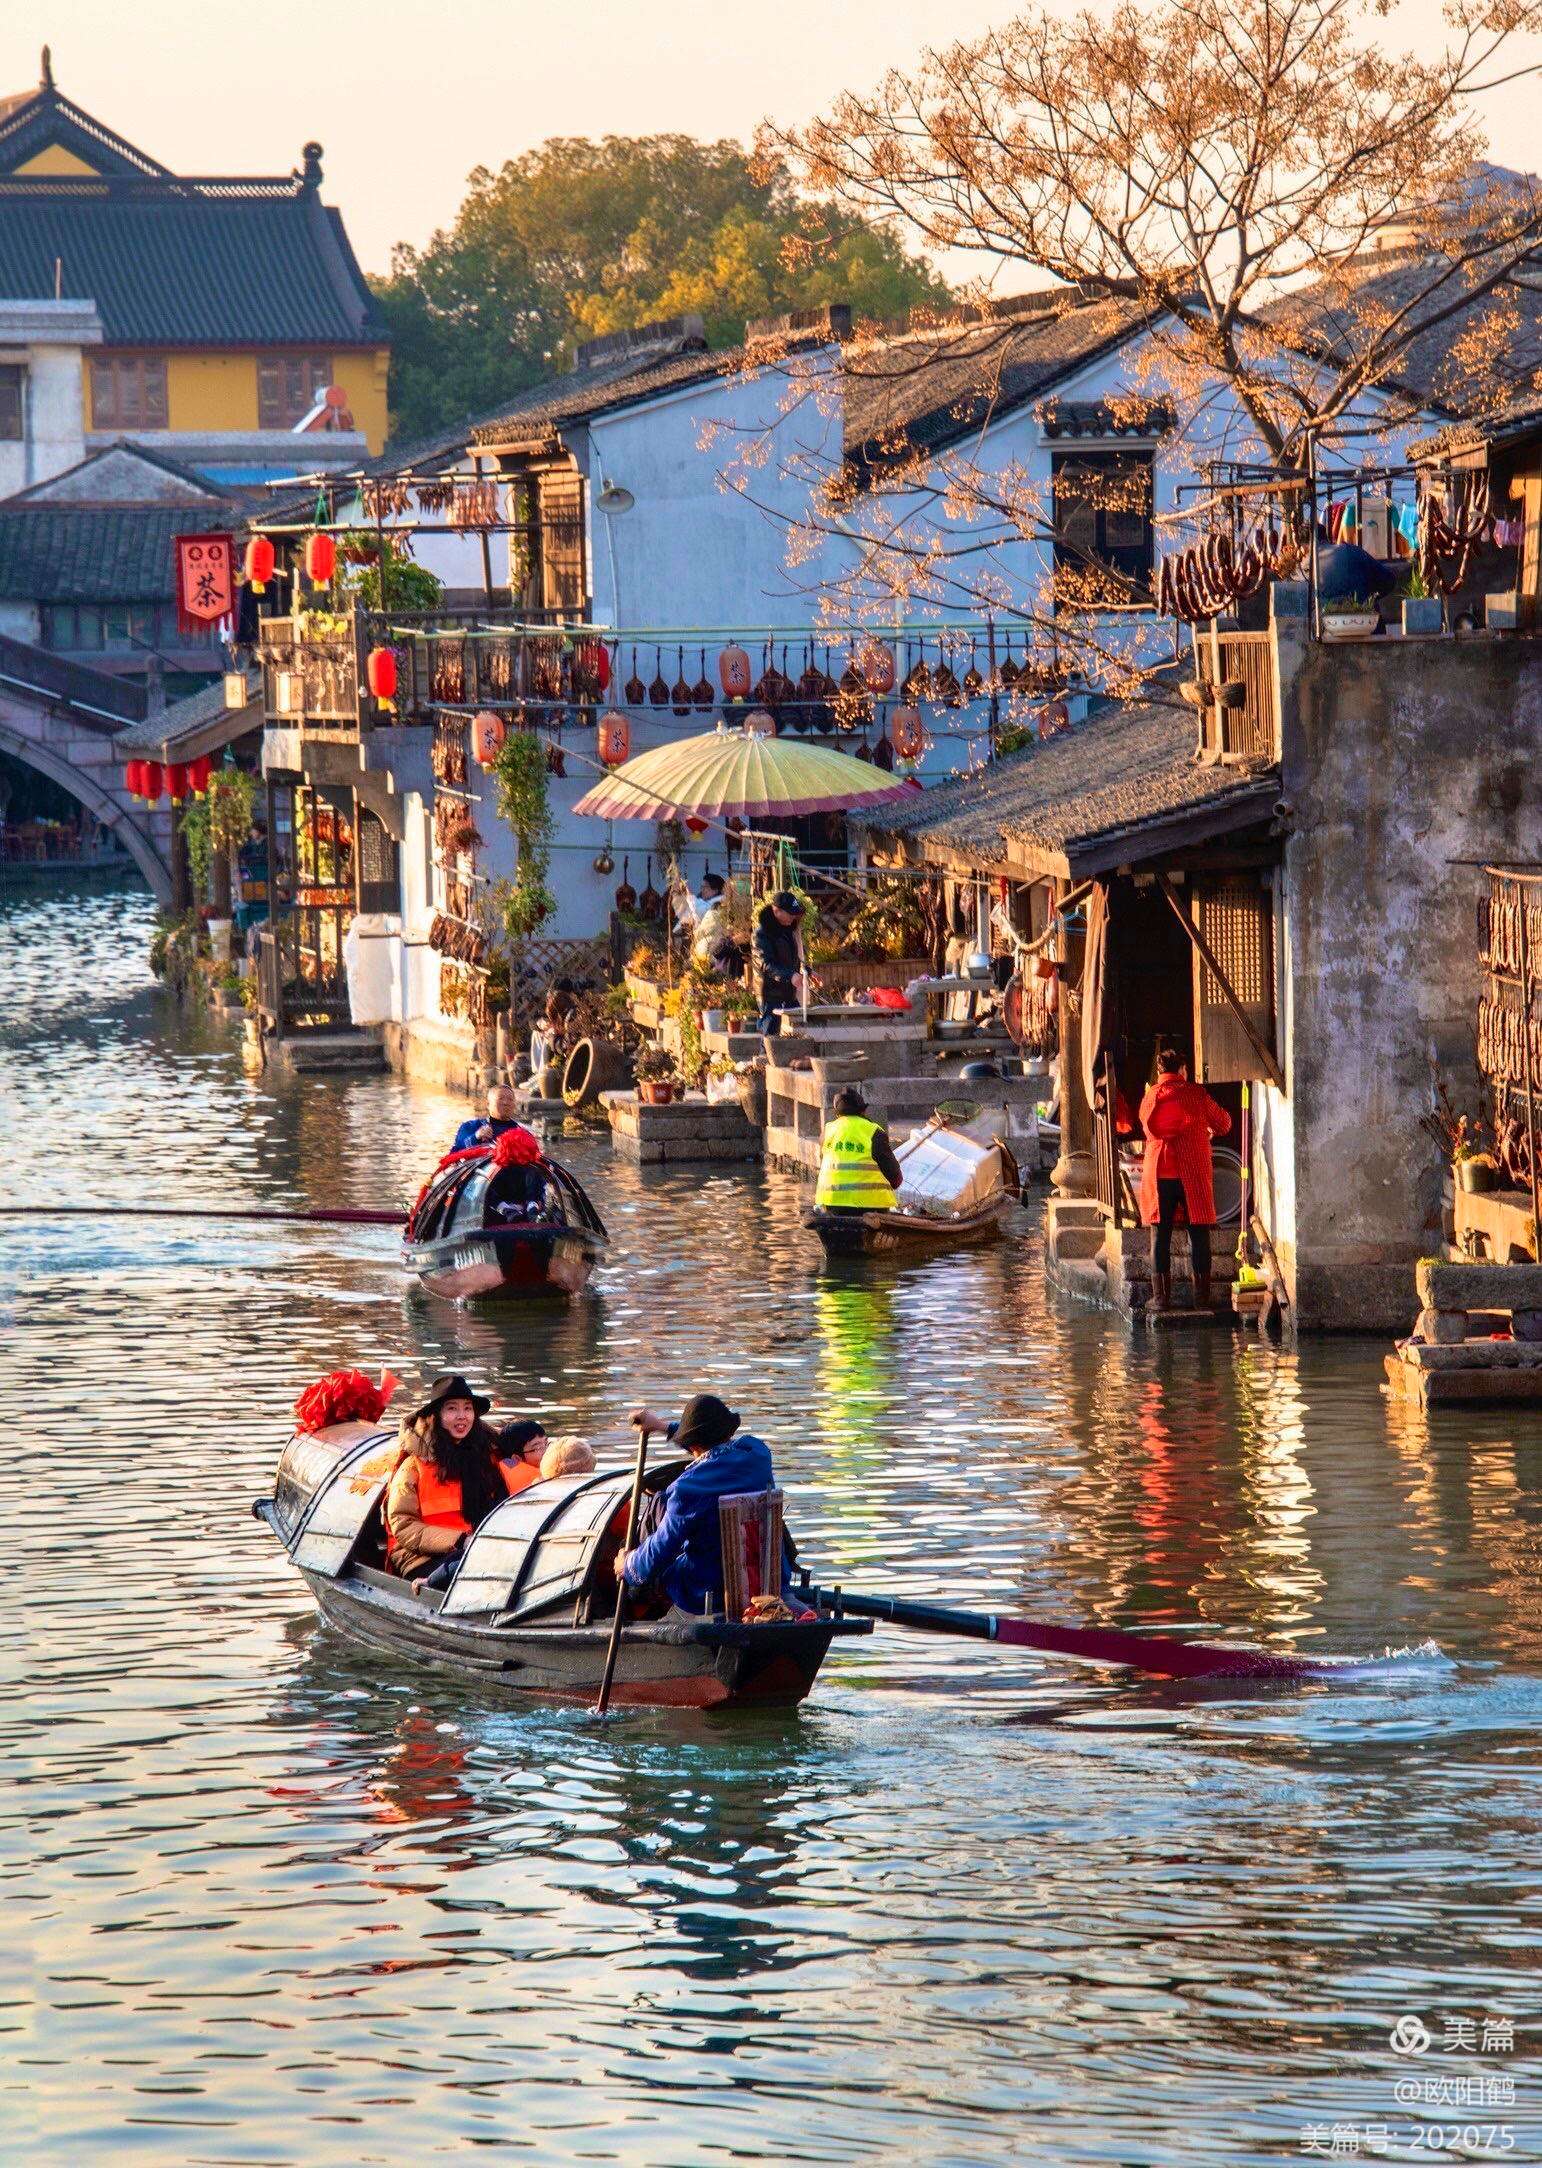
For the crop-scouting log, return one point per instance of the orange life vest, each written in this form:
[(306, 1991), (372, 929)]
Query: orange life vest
[(519, 1475), (439, 1502)]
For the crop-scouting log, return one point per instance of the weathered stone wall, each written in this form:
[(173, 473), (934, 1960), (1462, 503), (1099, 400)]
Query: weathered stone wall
[(1407, 767)]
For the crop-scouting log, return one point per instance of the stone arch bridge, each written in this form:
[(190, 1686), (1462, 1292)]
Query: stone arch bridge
[(62, 719)]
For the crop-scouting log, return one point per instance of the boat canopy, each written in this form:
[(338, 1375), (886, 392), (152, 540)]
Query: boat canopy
[(326, 1488), (536, 1548)]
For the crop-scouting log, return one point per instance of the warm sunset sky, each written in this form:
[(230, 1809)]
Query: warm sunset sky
[(408, 95)]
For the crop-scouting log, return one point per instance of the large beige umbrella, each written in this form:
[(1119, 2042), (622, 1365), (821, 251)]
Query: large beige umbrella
[(739, 772)]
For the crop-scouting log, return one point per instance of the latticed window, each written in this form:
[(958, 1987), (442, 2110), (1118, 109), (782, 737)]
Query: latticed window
[(128, 391), (288, 386), (13, 387), (560, 504), (1103, 531), (1236, 919)]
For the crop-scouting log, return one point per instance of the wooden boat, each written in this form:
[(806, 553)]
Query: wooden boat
[(529, 1610), (904, 1234), (462, 1242)]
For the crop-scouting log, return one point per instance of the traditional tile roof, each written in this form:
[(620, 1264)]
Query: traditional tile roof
[(1522, 418), (41, 119), (93, 552), (610, 381), (1081, 802), (922, 389), (174, 263), (1452, 366), (201, 723)]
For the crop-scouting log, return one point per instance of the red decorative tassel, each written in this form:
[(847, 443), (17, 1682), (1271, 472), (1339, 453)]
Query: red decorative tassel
[(342, 1396)]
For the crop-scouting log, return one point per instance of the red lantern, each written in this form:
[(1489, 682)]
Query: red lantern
[(614, 740), (382, 676), (176, 782), (733, 669), (696, 825), (878, 668), (131, 780), (198, 774), (487, 735), (907, 733), (259, 563), (320, 559), (152, 775)]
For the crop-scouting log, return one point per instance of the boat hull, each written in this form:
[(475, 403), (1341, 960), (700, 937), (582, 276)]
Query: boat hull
[(673, 1663), (902, 1234), (507, 1264)]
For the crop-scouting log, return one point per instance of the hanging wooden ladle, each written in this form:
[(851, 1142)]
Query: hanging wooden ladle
[(680, 692)]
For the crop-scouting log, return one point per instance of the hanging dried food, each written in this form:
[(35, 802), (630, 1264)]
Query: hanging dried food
[(447, 754), (703, 698), (883, 753), (626, 894), (946, 690), (1008, 673), (918, 684), (650, 904), (658, 689), (853, 703), (634, 692), (974, 683), (680, 691), (556, 759), (808, 704), (1447, 541)]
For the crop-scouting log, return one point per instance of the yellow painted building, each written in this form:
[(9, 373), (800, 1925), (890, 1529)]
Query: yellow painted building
[(231, 308)]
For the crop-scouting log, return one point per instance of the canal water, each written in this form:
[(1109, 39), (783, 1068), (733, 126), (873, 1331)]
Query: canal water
[(267, 1902)]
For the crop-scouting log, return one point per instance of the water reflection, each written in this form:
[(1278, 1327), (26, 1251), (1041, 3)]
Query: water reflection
[(276, 1902)]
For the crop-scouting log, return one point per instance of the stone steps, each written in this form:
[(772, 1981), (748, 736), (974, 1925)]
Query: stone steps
[(329, 1053)]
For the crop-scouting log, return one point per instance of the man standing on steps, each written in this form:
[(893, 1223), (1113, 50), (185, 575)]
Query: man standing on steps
[(1177, 1177)]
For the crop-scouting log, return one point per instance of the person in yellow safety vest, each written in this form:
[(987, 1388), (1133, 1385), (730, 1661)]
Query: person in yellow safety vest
[(858, 1171)]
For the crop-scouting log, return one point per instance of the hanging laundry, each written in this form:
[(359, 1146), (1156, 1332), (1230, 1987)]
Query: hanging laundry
[(1408, 527)]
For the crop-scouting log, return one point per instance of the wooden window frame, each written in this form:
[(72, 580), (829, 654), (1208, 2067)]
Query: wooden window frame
[(128, 391), (282, 400), (13, 402), (1132, 564)]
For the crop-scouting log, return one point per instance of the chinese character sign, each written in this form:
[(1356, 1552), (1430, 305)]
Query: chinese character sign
[(206, 584)]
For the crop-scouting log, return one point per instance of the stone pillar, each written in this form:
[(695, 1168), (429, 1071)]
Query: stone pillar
[(1072, 1173)]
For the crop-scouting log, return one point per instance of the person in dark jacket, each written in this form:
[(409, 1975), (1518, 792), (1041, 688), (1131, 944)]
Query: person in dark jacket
[(682, 1559), (502, 1115), (778, 956)]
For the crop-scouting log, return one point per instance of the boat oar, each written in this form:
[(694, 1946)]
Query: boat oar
[(1165, 1656), (614, 1648), (342, 1217)]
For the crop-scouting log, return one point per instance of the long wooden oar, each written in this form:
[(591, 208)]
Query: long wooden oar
[(1165, 1657), (342, 1217), (614, 1647)]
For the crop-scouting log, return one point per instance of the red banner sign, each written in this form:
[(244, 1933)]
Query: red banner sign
[(206, 582)]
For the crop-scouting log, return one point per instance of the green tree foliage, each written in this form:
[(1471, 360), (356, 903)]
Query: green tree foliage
[(578, 238)]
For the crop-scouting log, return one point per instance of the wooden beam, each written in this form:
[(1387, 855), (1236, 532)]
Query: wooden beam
[(1271, 1067)]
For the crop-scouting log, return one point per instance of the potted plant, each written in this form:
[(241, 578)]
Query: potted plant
[(1473, 1167), (655, 1077), (1421, 609), (1350, 617), (722, 1081)]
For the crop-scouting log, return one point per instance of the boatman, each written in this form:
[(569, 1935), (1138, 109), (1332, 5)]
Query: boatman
[(501, 1116), (858, 1171), (679, 1555)]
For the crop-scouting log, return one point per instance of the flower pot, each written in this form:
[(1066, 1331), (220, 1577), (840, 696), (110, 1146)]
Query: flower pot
[(714, 1020), (1349, 624), (656, 1091), (1421, 613), (751, 1085), (1475, 1175)]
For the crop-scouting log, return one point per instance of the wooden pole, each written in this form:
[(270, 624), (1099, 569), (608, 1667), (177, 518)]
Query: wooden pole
[(340, 1218), (1531, 1082), (614, 1648)]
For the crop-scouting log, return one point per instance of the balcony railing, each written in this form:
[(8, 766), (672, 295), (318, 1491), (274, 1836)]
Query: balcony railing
[(310, 683), (316, 681)]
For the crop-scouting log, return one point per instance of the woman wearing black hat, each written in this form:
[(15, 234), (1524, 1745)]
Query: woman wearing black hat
[(447, 1480), (682, 1559)]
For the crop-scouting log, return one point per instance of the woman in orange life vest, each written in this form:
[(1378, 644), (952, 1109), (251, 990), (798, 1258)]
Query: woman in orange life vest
[(448, 1479)]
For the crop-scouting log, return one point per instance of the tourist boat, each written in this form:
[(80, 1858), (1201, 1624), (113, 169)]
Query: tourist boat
[(898, 1233), (530, 1608), (461, 1244)]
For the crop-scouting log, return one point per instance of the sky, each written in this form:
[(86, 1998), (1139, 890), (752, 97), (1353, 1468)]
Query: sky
[(407, 97)]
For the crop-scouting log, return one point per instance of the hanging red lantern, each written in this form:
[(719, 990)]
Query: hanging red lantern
[(320, 559), (176, 782), (878, 668), (131, 777), (382, 676), (152, 777), (733, 669), (695, 823), (259, 563), (907, 733), (487, 736), (198, 774), (614, 740)]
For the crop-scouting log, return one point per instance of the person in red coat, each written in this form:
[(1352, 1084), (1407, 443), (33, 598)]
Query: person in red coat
[(1179, 1119)]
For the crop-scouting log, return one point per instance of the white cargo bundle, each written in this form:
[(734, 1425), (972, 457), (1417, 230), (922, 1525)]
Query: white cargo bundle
[(947, 1176)]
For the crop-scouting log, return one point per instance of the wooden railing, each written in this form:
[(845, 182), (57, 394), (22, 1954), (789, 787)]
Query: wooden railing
[(1237, 724), (310, 685)]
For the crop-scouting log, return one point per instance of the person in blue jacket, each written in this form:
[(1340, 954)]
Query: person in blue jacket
[(682, 1559), (501, 1115)]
